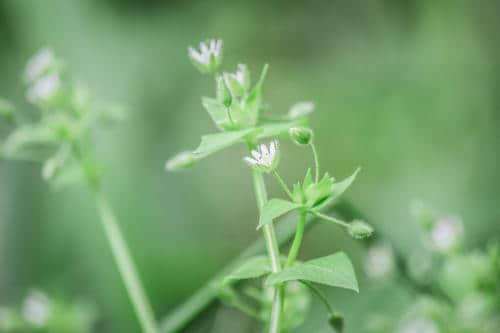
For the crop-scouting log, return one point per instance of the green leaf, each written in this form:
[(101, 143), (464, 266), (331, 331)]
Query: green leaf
[(334, 270), (217, 112), (339, 188), (252, 268), (214, 142), (275, 208)]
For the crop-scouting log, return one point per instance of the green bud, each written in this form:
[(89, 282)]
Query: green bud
[(359, 229), (301, 135), (223, 93), (182, 160), (336, 321)]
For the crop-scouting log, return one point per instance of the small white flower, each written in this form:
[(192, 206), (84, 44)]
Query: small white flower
[(208, 57), (38, 64), (301, 109), (264, 159), (44, 88), (379, 261), (36, 308), (446, 233)]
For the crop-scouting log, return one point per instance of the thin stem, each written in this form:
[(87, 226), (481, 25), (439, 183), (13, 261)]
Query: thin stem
[(330, 219), (272, 250), (283, 184), (297, 241), (126, 266), (316, 161), (237, 302)]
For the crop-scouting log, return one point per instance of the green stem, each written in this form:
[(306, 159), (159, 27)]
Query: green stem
[(283, 184), (330, 219), (297, 241), (126, 266), (272, 250), (316, 162)]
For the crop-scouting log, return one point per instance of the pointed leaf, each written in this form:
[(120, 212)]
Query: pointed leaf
[(217, 112), (275, 208), (339, 188), (334, 270), (253, 268), (214, 142)]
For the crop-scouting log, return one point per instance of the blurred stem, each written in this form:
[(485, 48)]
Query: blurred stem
[(272, 250), (316, 161), (297, 241), (126, 266), (119, 248)]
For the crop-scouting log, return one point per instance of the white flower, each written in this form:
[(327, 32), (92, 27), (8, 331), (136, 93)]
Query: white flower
[(208, 57), (379, 261), (301, 109), (44, 88), (38, 64), (446, 233), (265, 159), (36, 308)]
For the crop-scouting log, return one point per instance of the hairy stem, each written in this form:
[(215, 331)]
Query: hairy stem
[(330, 219), (272, 250), (126, 266)]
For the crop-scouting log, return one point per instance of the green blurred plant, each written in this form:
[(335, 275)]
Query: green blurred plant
[(59, 136), (468, 280), (236, 111)]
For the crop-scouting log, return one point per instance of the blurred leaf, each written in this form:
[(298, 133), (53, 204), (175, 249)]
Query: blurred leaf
[(217, 112), (6, 110), (252, 268), (214, 142), (334, 270), (275, 208), (276, 129)]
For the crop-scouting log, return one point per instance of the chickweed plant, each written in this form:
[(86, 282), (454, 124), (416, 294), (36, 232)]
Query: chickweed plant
[(280, 300), (60, 137)]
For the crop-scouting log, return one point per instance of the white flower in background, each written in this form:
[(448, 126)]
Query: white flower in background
[(239, 81), (264, 159), (36, 308), (44, 88), (418, 325), (301, 109), (379, 261), (39, 64), (208, 57), (446, 233)]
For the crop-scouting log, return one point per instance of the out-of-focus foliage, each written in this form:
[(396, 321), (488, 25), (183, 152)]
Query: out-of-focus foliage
[(408, 90)]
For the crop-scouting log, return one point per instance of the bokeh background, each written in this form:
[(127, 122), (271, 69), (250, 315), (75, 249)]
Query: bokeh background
[(406, 89)]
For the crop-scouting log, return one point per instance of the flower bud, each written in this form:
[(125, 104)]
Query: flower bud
[(44, 89), (300, 110), (336, 321), (223, 93), (182, 160), (301, 135), (39, 65), (359, 229)]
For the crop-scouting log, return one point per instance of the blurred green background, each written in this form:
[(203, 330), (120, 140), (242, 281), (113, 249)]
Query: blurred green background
[(409, 90)]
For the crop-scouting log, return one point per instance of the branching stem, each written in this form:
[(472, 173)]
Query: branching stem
[(330, 219)]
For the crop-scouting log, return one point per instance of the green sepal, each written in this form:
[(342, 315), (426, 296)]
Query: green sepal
[(338, 188), (218, 112)]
